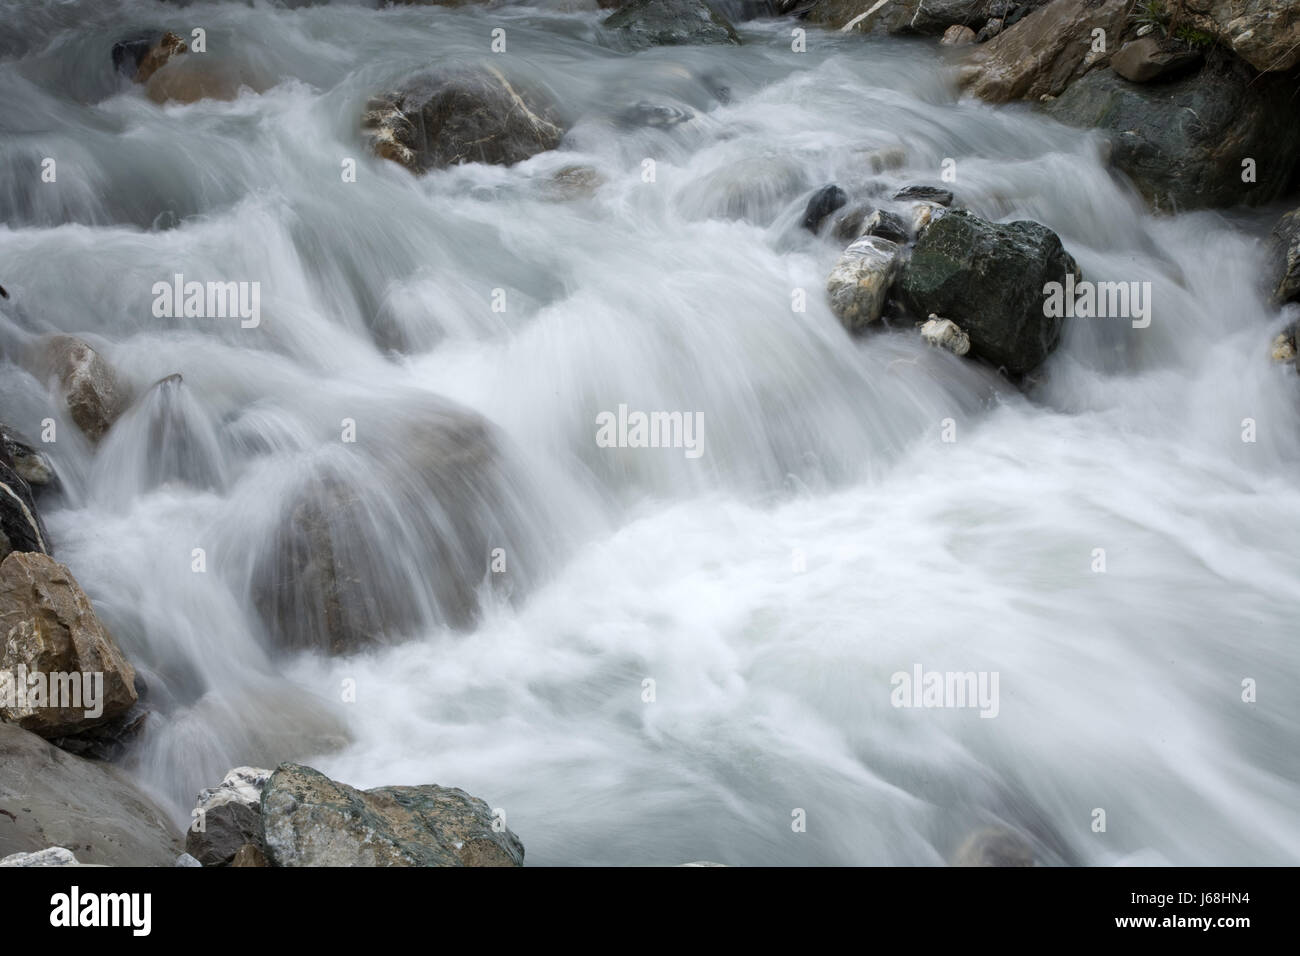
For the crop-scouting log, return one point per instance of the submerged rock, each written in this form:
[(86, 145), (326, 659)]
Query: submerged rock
[(989, 279), (48, 626), (994, 846), (32, 466), (934, 194), (472, 115), (859, 284), (141, 56), (52, 798), (647, 23), (310, 820), (391, 538)]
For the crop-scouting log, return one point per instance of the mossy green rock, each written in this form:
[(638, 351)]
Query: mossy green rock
[(310, 820), (989, 278)]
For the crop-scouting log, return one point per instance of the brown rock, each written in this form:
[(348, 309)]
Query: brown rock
[(94, 396), (1043, 53), (1146, 59), (958, 35), (249, 855), (169, 46), (48, 626), (1264, 33)]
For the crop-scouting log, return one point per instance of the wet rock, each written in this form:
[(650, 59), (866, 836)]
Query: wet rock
[(51, 798), (1264, 33), (945, 333), (472, 115), (187, 861), (859, 284), (109, 737), (1043, 53), (1282, 264), (989, 278), (311, 820), (1284, 346), (205, 77), (646, 23), (225, 829), (994, 846), (52, 856), (21, 527), (394, 538), (823, 202), (31, 465), (958, 35), (654, 116), (935, 194), (866, 220), (49, 627), (86, 383), (1177, 163), (1148, 58), (140, 57), (242, 786), (575, 182)]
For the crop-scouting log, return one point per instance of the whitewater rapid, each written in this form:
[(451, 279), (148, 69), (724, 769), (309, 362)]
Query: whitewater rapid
[(827, 538)]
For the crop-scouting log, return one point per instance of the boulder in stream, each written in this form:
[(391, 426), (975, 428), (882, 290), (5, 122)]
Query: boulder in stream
[(471, 115), (648, 23), (989, 279), (310, 820), (859, 284)]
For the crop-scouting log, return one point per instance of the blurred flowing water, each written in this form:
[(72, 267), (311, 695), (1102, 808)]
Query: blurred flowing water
[(1119, 690)]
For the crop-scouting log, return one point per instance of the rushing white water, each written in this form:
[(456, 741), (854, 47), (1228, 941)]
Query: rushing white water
[(1119, 690)]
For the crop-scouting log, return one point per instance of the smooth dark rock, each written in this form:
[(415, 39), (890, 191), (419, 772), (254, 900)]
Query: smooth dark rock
[(823, 202), (1283, 259), (1148, 58), (227, 828)]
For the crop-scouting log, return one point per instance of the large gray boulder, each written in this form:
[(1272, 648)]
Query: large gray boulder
[(310, 820), (647, 23), (228, 818), (51, 798), (471, 115), (989, 278), (1183, 143)]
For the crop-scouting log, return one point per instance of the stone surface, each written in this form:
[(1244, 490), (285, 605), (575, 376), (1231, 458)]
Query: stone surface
[(1282, 263), (989, 278), (53, 856), (958, 35), (87, 384), (945, 333), (994, 846), (823, 202), (47, 625), (51, 798), (310, 820), (647, 23), (1183, 142), (1264, 33), (1044, 53), (470, 115), (859, 284), (1148, 59)]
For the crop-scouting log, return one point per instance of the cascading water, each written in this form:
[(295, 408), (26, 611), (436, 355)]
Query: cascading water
[(827, 538)]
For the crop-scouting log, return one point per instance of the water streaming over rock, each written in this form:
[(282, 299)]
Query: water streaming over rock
[(826, 539)]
